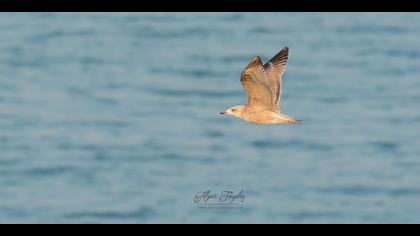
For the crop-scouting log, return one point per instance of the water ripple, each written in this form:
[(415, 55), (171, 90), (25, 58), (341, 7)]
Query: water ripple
[(296, 144), (139, 214)]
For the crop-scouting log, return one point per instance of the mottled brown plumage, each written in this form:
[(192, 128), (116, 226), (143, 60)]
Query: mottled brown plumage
[(263, 85)]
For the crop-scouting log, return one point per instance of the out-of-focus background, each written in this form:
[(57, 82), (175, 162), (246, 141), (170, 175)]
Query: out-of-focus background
[(114, 118)]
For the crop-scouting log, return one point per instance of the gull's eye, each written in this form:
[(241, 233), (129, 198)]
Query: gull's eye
[(233, 110)]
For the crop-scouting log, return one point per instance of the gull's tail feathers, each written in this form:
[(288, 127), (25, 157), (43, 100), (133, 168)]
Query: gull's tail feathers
[(298, 122), (294, 121)]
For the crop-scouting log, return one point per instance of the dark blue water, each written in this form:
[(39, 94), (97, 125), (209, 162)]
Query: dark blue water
[(114, 118)]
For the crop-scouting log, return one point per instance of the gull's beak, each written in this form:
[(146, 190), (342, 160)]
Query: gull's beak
[(222, 113)]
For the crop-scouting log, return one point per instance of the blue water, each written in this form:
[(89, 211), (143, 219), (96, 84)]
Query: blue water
[(114, 118)]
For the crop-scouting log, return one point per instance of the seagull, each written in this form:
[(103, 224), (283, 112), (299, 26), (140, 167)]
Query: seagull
[(263, 86)]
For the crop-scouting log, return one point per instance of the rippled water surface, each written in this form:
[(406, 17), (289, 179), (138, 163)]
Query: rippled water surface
[(114, 118)]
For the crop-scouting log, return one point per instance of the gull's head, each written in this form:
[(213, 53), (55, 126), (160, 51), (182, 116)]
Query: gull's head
[(234, 111)]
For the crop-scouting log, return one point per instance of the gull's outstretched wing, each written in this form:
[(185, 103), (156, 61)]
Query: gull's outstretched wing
[(274, 69), (253, 79)]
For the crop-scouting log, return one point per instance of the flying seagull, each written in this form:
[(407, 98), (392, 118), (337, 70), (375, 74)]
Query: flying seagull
[(263, 85)]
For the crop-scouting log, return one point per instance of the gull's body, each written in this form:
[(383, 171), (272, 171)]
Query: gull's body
[(263, 86)]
